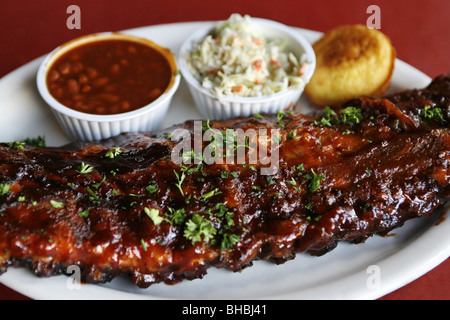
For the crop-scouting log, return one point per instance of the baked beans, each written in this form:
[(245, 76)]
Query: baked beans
[(109, 76)]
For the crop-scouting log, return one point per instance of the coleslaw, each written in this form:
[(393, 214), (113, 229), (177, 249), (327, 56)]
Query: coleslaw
[(236, 60)]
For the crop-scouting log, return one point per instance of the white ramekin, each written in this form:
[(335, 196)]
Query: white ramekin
[(227, 107), (91, 127)]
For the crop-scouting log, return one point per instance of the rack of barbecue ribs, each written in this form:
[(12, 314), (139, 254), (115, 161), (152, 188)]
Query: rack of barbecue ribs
[(124, 206)]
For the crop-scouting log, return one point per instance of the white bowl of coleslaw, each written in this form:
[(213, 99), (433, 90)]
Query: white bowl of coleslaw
[(243, 66)]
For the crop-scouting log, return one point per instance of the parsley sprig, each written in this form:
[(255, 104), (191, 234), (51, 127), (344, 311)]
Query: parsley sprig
[(84, 168), (113, 152), (154, 215), (152, 187), (180, 179), (314, 180)]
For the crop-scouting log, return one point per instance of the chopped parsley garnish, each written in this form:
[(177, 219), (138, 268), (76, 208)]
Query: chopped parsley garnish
[(231, 142), (314, 180), (345, 132), (292, 181), (113, 152), (280, 115), (133, 203), (97, 185), (270, 181), (152, 187), (16, 145), (210, 194), (182, 175), (349, 116), (276, 138), (56, 204), (206, 126), (4, 189), (292, 134), (168, 135), (135, 195), (180, 179), (35, 142), (176, 216), (294, 184), (308, 206), (226, 140), (92, 196), (84, 213), (316, 218), (198, 227), (144, 246), (154, 215), (429, 113), (223, 212), (258, 116), (228, 241), (84, 168), (191, 155), (325, 118)]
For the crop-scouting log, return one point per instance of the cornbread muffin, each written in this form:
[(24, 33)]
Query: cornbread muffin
[(352, 61)]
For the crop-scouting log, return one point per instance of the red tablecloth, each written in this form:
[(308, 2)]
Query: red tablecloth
[(418, 30)]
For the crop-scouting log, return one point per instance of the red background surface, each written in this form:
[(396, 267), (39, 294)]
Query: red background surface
[(418, 30)]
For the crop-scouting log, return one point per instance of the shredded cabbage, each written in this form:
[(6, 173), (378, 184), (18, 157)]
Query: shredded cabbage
[(235, 60)]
